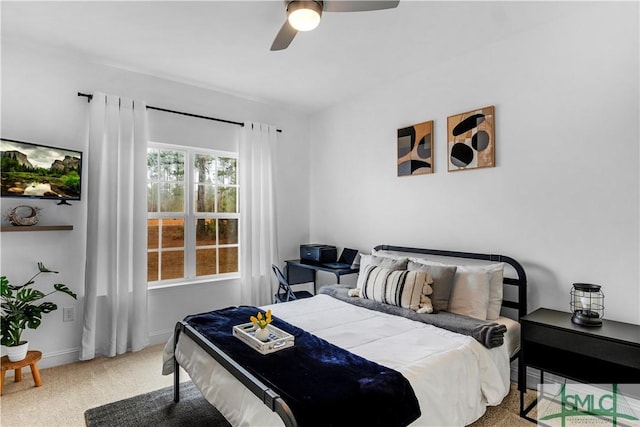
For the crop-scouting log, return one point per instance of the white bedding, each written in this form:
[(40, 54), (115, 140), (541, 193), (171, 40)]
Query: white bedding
[(453, 376)]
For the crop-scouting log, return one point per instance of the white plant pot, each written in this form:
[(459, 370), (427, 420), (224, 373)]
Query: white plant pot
[(18, 352)]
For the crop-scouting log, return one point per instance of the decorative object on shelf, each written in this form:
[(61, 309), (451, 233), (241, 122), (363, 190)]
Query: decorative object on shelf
[(415, 149), (587, 304), (21, 309), (471, 139), (261, 322), (23, 215)]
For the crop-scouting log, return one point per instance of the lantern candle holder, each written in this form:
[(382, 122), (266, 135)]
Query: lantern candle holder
[(587, 304)]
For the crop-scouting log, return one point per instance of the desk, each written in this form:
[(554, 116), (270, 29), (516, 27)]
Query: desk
[(304, 272)]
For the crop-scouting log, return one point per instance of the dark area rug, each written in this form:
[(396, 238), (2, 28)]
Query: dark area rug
[(158, 409)]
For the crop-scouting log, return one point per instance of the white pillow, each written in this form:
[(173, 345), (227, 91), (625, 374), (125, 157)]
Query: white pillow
[(496, 287), (398, 254), (402, 288), (470, 293), (391, 263)]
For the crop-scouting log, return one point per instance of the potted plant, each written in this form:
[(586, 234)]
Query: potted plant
[(22, 308), (261, 322)]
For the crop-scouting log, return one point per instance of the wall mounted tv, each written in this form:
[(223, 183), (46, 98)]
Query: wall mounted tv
[(35, 171)]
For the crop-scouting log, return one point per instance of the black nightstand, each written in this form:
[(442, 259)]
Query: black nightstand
[(550, 342)]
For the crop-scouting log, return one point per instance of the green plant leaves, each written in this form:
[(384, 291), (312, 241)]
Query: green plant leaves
[(44, 269), (27, 295), (47, 307), (5, 290), (63, 288), (19, 307)]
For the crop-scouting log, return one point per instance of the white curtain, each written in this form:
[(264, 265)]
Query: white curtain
[(258, 238), (115, 312)]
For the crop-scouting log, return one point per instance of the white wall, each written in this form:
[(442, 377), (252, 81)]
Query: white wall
[(563, 198), (39, 104)]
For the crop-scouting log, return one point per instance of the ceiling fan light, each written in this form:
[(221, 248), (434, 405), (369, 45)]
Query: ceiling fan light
[(304, 15)]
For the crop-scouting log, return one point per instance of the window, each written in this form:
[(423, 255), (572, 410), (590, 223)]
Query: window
[(192, 204)]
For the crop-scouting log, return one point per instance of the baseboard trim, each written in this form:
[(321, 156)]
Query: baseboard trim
[(52, 359), (160, 337)]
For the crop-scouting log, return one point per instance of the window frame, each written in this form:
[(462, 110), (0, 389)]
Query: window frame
[(189, 216)]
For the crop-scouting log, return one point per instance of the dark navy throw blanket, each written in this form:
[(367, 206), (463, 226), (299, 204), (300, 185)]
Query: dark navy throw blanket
[(324, 385)]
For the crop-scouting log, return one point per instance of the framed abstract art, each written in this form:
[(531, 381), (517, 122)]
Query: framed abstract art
[(415, 149), (471, 139)]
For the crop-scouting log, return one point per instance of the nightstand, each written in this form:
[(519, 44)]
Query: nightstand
[(550, 342)]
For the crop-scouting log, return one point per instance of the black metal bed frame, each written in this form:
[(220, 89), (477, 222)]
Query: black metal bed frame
[(276, 403)]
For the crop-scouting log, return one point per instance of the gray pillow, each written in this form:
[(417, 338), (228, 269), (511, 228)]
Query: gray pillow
[(383, 262), (443, 276), (390, 263)]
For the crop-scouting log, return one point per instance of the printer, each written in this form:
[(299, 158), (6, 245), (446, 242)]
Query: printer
[(318, 253)]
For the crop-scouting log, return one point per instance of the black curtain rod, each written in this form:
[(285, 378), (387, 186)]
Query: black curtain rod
[(149, 107)]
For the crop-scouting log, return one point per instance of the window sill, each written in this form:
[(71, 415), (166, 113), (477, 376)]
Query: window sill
[(222, 278)]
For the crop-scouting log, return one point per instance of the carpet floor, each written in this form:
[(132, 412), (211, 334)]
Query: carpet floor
[(82, 394), (158, 409)]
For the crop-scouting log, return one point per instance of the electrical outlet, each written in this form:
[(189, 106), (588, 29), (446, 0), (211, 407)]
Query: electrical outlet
[(68, 314)]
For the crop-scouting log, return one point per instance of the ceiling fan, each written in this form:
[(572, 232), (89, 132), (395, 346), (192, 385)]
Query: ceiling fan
[(304, 15)]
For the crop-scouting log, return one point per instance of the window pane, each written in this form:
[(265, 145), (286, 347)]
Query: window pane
[(228, 231), (205, 198), (152, 233), (227, 199), (205, 232), (172, 234), (152, 266), (227, 171), (205, 262), (171, 165), (171, 198), (204, 169), (191, 216), (172, 265), (152, 197), (152, 164), (228, 260)]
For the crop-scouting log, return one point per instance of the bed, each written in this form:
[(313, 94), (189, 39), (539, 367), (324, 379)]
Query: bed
[(456, 364)]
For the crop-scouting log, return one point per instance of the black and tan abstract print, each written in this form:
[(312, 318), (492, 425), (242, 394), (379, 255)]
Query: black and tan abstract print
[(415, 149), (470, 139)]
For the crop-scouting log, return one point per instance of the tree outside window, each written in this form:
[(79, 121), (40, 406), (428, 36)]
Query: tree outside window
[(192, 203)]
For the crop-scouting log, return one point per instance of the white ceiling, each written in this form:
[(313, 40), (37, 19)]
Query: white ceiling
[(224, 45)]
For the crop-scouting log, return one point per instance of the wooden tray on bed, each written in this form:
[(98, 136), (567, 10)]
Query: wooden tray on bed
[(278, 339)]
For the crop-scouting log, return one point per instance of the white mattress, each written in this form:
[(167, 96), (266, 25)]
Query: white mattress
[(453, 376)]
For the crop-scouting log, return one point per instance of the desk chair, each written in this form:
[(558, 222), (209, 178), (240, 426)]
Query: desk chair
[(285, 293)]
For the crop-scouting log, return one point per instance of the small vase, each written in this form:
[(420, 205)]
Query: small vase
[(17, 353), (262, 334)]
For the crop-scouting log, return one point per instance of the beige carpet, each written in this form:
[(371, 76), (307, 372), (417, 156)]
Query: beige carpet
[(69, 390)]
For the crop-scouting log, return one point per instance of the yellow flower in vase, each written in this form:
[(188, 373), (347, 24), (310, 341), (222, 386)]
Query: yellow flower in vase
[(261, 322)]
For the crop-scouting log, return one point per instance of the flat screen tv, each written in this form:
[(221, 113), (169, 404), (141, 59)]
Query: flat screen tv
[(35, 171)]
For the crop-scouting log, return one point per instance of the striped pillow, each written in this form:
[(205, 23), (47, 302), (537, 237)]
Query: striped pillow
[(408, 289)]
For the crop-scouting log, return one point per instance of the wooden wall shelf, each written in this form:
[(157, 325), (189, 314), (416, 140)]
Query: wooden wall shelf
[(36, 228)]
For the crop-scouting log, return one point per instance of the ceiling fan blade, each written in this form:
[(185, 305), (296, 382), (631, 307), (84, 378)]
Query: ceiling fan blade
[(357, 6), (284, 37)]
